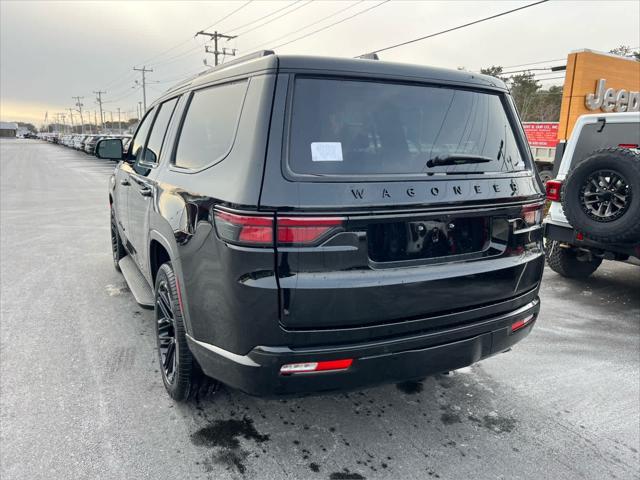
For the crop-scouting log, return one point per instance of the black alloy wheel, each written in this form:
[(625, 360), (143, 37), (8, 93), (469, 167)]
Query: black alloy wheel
[(117, 249), (166, 331), (605, 195), (181, 374)]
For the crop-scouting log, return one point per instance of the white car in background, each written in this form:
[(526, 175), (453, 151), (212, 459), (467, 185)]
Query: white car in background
[(595, 197)]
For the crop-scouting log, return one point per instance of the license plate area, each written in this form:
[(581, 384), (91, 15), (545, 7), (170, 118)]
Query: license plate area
[(429, 240)]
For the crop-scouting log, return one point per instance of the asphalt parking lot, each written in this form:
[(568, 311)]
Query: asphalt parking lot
[(81, 396)]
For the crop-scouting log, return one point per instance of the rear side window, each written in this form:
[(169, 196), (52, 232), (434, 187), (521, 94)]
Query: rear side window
[(209, 127), (363, 128), (159, 130)]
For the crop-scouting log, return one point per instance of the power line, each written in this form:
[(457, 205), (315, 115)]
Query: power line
[(306, 26), (133, 90), (535, 63), (264, 16), (274, 19), (227, 16), (332, 24), (459, 27), (552, 78)]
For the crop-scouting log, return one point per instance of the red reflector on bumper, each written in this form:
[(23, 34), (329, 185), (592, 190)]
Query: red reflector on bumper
[(521, 323), (307, 367)]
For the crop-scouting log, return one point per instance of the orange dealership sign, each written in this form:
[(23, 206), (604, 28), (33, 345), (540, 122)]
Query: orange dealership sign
[(597, 82)]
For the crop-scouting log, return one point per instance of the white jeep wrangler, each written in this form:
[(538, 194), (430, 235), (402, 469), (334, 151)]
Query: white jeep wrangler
[(595, 197)]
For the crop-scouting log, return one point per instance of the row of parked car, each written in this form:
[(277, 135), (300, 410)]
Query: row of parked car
[(82, 142)]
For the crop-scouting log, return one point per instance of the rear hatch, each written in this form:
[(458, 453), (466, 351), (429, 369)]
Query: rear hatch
[(399, 201)]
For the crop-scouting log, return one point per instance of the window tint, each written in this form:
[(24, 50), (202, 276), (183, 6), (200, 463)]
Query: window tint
[(345, 127), (141, 136), (209, 126), (158, 131)]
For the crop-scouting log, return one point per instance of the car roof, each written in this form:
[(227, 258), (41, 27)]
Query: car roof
[(266, 61), (615, 117)]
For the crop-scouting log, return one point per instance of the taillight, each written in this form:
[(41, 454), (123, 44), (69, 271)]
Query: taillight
[(628, 145), (554, 187), (532, 214), (244, 229), (517, 325), (306, 230), (258, 230), (308, 367)]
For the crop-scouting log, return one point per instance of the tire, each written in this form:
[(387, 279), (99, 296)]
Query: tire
[(565, 262), (545, 176), (117, 249), (181, 374), (601, 196)]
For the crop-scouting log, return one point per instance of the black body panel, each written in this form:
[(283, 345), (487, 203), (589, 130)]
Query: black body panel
[(403, 306)]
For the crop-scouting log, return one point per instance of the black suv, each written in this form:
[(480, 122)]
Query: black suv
[(306, 224)]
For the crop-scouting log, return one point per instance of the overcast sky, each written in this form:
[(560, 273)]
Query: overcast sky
[(51, 51)]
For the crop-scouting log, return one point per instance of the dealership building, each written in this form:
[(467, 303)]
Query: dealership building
[(8, 129), (595, 82)]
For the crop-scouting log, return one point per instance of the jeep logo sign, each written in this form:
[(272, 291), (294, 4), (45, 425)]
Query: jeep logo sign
[(612, 100)]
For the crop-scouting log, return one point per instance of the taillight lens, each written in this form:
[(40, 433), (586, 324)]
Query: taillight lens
[(632, 146), (532, 214), (308, 367), (258, 230), (554, 187), (306, 230), (244, 229)]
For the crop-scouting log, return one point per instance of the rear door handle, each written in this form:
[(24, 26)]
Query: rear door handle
[(124, 182), (145, 191)]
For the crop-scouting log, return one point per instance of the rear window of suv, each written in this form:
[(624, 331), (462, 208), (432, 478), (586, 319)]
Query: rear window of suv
[(363, 128)]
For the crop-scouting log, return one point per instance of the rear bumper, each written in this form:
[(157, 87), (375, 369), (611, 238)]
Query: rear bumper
[(387, 361), (565, 233)]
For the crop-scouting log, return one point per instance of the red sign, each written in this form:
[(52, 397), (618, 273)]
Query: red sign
[(541, 134)]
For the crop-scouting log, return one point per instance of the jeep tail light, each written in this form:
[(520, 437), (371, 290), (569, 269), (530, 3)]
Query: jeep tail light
[(532, 214), (554, 188), (306, 230), (309, 367), (628, 145), (244, 229)]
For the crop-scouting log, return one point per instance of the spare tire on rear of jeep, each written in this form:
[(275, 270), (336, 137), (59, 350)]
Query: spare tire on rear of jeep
[(601, 196)]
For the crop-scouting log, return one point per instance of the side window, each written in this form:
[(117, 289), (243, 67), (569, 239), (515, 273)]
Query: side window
[(158, 131), (141, 136), (209, 127)]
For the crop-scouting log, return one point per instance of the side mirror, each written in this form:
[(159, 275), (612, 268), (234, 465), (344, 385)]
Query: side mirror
[(109, 149)]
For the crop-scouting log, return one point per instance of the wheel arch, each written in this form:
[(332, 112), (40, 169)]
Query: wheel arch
[(160, 252)]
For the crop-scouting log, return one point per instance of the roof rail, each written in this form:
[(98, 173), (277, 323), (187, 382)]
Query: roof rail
[(244, 58), (222, 66)]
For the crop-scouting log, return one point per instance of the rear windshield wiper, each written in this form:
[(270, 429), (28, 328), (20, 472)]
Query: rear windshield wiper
[(457, 160)]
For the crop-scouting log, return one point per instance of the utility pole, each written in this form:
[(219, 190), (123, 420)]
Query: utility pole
[(141, 112), (71, 118), (144, 70), (215, 36), (111, 116), (99, 101), (64, 123), (119, 123), (79, 105), (95, 121)]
